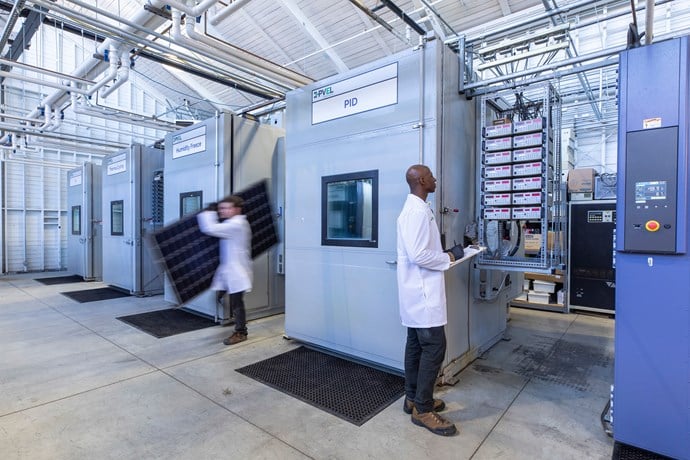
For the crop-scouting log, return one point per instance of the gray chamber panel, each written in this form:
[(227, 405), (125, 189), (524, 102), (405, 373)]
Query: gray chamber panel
[(190, 257)]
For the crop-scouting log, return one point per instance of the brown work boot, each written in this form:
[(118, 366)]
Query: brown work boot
[(408, 405), (433, 422), (237, 337)]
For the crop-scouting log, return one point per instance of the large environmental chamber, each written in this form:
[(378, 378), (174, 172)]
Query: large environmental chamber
[(132, 211), (209, 161), (351, 139), (84, 233)]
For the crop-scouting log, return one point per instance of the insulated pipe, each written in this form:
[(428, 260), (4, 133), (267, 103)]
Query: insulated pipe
[(227, 11), (114, 57), (47, 112), (245, 84), (122, 74), (649, 23), (183, 40), (194, 11), (246, 60), (91, 64), (263, 65), (241, 59)]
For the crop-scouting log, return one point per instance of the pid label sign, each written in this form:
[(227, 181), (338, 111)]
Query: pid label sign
[(372, 90)]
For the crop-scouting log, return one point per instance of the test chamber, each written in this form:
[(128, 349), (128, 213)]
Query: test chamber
[(132, 210), (209, 161), (350, 141), (84, 235), (652, 369)]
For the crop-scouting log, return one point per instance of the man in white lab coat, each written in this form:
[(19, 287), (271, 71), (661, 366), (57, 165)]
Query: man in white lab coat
[(422, 301), (234, 274)]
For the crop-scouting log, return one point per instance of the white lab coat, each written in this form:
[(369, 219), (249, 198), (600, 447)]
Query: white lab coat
[(234, 273), (421, 262)]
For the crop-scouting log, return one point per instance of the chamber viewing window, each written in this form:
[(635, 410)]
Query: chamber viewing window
[(190, 202), (349, 209), (117, 218), (76, 220)]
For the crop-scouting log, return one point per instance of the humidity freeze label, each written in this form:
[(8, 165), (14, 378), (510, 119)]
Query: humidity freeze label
[(189, 142)]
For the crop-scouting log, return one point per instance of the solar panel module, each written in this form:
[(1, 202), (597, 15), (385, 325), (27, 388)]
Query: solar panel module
[(191, 257)]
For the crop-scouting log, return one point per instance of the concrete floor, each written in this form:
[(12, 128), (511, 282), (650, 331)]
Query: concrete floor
[(75, 383)]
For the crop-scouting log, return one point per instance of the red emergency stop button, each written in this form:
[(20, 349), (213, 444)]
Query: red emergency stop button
[(652, 226)]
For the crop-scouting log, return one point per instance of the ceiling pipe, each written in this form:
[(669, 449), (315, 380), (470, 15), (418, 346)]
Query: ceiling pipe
[(48, 114), (5, 159), (122, 74), (52, 73), (30, 130), (142, 18), (244, 58), (116, 115), (200, 42), (193, 11), (40, 82), (649, 23), (227, 11), (244, 84), (113, 58)]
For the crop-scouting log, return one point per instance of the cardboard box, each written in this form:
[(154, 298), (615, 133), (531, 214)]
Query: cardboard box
[(581, 180)]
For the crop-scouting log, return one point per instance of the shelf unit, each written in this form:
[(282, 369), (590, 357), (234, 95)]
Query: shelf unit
[(521, 203), (558, 278)]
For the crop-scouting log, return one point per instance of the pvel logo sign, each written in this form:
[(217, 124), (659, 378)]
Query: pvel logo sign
[(321, 93)]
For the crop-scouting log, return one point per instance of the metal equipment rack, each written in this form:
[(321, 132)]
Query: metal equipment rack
[(521, 203)]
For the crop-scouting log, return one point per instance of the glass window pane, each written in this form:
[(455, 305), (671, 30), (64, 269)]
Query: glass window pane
[(350, 209), (190, 202), (76, 220), (117, 218)]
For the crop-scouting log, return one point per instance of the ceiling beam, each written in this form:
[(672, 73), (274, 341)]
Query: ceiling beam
[(23, 37), (505, 8), (315, 35)]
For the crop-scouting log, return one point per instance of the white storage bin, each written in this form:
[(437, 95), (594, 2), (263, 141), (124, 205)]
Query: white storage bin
[(544, 286), (538, 297), (525, 285)]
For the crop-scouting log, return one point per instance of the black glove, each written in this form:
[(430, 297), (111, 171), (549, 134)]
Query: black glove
[(213, 206), (457, 251)]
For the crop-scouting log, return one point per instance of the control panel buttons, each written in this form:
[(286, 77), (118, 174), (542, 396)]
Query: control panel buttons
[(652, 226)]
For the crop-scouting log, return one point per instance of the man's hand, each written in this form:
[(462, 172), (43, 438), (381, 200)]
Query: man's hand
[(456, 252)]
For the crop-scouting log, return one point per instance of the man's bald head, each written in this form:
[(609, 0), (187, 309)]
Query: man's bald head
[(421, 180), (413, 174)]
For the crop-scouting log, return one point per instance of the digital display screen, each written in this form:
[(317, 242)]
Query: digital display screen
[(652, 190)]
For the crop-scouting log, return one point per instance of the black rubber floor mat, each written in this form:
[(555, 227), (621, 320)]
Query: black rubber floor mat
[(348, 390), (625, 452), (92, 295), (164, 323), (60, 280)]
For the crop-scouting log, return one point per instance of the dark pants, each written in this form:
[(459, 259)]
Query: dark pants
[(237, 308), (424, 352)]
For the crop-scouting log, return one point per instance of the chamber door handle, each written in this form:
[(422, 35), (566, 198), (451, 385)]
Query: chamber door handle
[(392, 262)]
